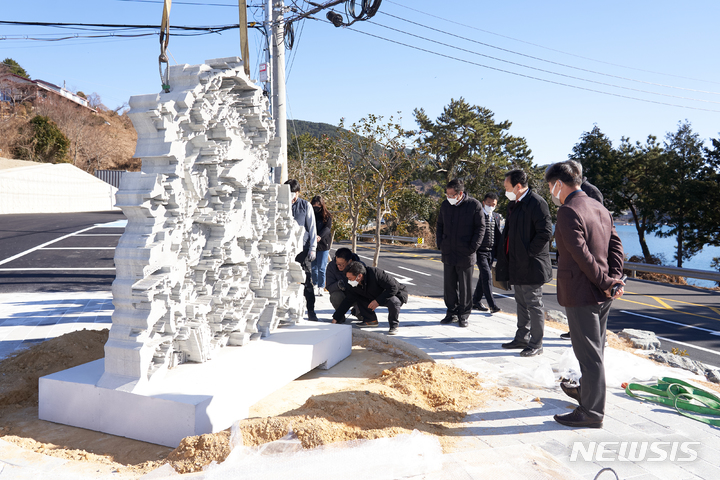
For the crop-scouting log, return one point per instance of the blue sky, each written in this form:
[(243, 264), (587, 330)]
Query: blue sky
[(646, 47)]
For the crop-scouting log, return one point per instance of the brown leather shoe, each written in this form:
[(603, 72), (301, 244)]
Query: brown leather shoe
[(571, 390), (578, 418)]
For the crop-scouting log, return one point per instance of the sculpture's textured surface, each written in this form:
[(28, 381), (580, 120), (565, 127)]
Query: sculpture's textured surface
[(207, 258)]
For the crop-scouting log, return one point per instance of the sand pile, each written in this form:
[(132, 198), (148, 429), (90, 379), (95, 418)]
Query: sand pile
[(379, 391), (429, 397), (20, 372)]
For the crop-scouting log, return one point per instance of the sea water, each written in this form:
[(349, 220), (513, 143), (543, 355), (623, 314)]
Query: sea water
[(666, 249)]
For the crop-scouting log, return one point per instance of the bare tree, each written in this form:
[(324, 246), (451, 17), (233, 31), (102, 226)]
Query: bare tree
[(76, 122)]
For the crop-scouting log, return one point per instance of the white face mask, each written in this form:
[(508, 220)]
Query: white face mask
[(511, 196), (489, 209), (353, 283), (556, 200), (452, 201)]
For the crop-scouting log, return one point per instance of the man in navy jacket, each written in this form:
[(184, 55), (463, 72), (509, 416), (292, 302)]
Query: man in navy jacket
[(460, 229)]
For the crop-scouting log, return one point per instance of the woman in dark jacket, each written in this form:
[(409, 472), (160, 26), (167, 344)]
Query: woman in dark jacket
[(323, 220)]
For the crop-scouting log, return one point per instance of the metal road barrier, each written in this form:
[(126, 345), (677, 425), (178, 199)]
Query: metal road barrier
[(393, 238), (634, 267)]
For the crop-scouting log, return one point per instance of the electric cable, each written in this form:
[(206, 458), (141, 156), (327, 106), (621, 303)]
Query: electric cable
[(548, 48), (523, 75), (190, 3), (294, 54), (289, 35), (545, 60), (541, 69)]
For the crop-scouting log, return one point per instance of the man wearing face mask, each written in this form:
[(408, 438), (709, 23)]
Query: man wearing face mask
[(305, 217), (460, 229), (369, 288), (524, 260), (590, 263), (593, 192), (336, 279), (486, 254)]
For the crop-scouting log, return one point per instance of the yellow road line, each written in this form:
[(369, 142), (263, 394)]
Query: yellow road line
[(660, 300), (665, 305)]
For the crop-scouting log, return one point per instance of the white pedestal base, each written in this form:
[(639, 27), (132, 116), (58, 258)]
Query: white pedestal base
[(193, 399)]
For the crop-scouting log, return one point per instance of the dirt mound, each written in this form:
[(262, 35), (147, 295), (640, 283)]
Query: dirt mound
[(20, 372), (379, 391), (429, 397)]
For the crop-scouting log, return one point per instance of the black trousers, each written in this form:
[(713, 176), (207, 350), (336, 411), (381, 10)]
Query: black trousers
[(393, 305), (457, 290), (588, 326), (484, 261), (308, 291)]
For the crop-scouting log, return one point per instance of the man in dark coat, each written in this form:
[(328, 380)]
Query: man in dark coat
[(486, 254), (524, 260), (590, 263), (369, 288), (460, 229)]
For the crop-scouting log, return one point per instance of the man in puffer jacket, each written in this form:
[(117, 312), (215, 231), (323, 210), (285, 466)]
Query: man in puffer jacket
[(460, 229), (335, 275)]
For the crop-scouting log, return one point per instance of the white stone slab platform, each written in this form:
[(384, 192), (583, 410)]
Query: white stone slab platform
[(193, 399)]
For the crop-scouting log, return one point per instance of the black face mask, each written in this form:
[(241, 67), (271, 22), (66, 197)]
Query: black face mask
[(317, 209)]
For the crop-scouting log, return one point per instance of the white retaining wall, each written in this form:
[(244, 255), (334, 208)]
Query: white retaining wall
[(48, 188)]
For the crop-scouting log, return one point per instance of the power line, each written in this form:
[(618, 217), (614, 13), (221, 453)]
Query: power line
[(217, 28), (541, 69), (548, 48), (527, 76), (294, 54), (190, 3), (545, 60)]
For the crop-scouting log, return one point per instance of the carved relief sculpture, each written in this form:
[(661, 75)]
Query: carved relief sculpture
[(207, 257)]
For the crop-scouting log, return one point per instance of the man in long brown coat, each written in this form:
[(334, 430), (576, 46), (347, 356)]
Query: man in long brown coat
[(590, 263)]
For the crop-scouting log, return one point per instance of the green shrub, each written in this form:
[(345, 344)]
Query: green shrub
[(46, 142)]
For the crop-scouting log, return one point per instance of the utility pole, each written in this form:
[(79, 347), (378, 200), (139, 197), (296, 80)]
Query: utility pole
[(243, 24), (276, 8)]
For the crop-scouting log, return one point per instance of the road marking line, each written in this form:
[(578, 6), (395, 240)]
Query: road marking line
[(712, 332), (688, 345), (99, 235), (115, 224), (50, 269), (660, 300), (676, 311), (78, 248), (411, 270), (14, 257), (665, 305), (401, 278)]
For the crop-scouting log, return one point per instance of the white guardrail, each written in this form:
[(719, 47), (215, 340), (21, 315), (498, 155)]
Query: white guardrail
[(634, 267), (395, 238)]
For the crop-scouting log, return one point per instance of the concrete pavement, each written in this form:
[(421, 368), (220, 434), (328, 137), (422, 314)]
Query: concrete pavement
[(512, 437)]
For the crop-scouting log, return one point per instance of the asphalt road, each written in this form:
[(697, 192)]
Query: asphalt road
[(58, 252), (75, 251), (683, 317)]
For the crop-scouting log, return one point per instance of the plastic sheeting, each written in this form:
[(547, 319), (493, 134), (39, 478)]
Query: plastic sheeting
[(622, 366), (380, 459)]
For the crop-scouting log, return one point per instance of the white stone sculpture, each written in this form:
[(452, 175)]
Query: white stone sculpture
[(207, 257)]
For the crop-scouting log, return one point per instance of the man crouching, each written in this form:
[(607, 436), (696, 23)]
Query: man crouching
[(369, 288)]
